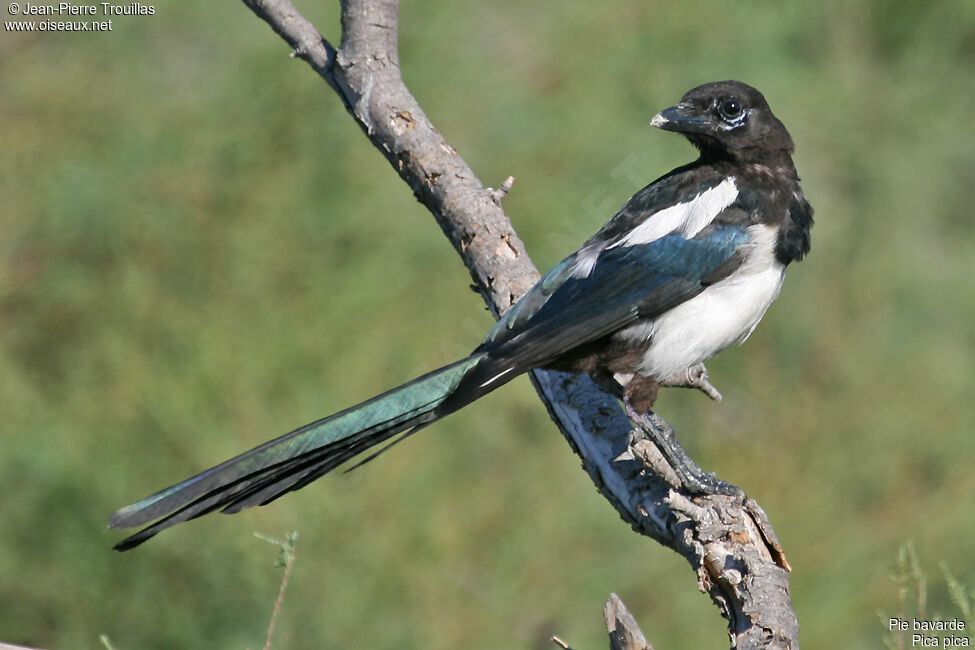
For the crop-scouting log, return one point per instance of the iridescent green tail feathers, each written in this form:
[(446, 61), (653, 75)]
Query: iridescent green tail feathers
[(290, 462)]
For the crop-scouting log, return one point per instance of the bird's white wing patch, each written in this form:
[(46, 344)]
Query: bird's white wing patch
[(586, 261), (688, 218)]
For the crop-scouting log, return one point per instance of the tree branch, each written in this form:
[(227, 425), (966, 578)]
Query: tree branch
[(624, 633), (727, 540)]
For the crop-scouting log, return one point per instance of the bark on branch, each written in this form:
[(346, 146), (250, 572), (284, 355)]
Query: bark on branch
[(728, 541), (624, 633)]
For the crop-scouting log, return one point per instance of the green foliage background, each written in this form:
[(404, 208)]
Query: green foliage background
[(199, 251)]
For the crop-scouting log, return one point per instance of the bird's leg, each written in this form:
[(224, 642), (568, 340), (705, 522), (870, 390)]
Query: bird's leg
[(638, 396), (693, 377)]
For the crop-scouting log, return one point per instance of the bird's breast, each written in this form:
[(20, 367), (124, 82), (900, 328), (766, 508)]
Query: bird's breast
[(722, 315)]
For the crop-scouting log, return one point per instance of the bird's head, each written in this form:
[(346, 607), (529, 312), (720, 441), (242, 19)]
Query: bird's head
[(727, 119)]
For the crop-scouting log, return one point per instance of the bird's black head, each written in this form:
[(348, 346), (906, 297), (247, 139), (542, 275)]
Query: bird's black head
[(727, 119)]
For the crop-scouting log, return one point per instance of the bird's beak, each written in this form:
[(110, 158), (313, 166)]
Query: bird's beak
[(681, 118)]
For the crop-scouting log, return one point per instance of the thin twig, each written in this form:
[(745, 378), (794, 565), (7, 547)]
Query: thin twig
[(557, 640), (502, 190), (286, 558)]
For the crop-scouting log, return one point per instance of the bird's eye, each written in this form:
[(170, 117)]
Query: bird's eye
[(730, 110)]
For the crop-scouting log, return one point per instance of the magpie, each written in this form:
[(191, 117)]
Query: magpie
[(686, 268)]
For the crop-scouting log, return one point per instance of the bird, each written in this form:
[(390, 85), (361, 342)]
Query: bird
[(686, 268)]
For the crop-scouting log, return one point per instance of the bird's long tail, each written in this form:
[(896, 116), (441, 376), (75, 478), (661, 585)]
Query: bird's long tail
[(290, 462)]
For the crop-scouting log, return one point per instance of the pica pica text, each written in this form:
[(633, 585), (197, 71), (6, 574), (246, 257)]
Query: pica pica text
[(686, 268)]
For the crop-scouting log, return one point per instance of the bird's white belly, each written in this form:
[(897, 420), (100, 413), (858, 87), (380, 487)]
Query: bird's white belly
[(720, 316)]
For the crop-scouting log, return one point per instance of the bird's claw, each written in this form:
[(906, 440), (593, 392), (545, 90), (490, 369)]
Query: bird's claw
[(693, 377)]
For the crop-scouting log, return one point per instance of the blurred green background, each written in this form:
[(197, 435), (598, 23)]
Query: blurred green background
[(200, 250)]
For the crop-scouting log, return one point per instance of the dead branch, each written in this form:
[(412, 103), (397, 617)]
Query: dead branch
[(727, 540)]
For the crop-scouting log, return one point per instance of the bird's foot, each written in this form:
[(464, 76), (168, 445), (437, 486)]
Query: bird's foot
[(693, 377)]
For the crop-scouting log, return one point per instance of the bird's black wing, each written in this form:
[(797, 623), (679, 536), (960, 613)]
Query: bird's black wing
[(573, 305)]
